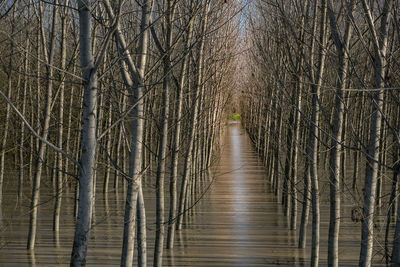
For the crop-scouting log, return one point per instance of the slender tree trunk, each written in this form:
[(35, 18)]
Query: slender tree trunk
[(177, 140), (68, 149), (136, 153), (108, 149), (380, 44), (313, 146), (277, 178), (22, 137), (45, 131), (288, 159), (293, 182), (59, 174), (342, 47), (160, 207), (194, 120), (89, 139), (306, 207)]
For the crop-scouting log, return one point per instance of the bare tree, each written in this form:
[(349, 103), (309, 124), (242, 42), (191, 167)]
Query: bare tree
[(379, 40), (89, 141)]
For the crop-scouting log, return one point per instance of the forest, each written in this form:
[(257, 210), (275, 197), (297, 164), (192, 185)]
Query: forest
[(118, 120)]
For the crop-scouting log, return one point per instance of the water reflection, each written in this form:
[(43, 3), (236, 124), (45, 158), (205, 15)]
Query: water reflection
[(31, 258), (239, 222)]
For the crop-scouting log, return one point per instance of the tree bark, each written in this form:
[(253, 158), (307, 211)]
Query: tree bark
[(380, 44), (59, 174), (194, 119), (45, 130), (89, 139), (342, 47), (176, 144)]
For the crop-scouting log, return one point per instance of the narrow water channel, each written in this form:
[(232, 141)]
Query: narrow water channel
[(239, 222)]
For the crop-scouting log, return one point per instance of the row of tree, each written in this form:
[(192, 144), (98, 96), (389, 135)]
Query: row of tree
[(107, 92), (321, 99)]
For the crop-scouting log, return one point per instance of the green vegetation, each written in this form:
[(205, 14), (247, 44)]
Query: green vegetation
[(235, 117)]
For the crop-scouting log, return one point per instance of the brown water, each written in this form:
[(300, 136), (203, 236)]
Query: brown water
[(238, 222)]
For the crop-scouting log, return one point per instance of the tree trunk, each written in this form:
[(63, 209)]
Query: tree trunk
[(136, 153), (45, 131), (89, 139), (194, 119), (160, 176), (380, 44), (59, 174), (313, 146), (176, 145), (342, 47)]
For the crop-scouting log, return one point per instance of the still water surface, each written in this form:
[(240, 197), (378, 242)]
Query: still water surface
[(238, 222)]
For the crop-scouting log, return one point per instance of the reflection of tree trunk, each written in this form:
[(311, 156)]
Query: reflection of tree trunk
[(89, 121), (141, 229)]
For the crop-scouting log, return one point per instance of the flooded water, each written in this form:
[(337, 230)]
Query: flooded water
[(238, 222)]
